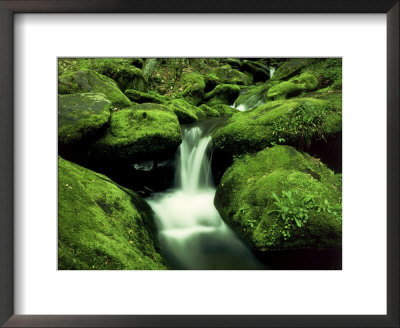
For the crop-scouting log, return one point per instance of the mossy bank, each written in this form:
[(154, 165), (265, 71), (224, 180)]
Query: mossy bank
[(102, 225)]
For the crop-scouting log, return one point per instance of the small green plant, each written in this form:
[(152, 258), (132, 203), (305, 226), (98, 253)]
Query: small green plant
[(305, 122), (336, 211), (251, 222), (292, 209)]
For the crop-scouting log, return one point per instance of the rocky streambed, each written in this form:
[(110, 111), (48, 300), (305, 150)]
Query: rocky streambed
[(270, 171)]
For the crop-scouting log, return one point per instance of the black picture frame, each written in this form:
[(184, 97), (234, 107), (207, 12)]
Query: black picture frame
[(10, 7)]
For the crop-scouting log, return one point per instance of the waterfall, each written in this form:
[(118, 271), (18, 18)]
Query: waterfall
[(192, 234), (195, 173), (271, 72)]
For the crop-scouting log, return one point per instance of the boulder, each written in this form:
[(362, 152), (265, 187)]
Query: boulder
[(297, 121), (227, 75), (144, 131), (186, 112), (89, 81), (192, 87), (259, 70), (101, 225), (233, 62), (82, 117), (295, 86), (280, 199), (290, 67), (224, 110), (222, 94), (123, 72), (209, 111), (144, 97)]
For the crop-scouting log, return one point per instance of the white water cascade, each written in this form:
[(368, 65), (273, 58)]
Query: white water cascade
[(271, 72), (192, 234)]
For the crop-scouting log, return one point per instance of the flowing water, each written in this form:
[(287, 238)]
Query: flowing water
[(271, 72), (255, 100), (192, 234)]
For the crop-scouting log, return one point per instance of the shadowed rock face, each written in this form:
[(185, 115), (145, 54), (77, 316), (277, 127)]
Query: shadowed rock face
[(102, 226), (91, 81), (81, 116), (142, 132)]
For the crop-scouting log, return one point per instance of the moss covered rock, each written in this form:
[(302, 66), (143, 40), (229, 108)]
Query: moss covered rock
[(193, 85), (280, 198), (145, 131), (90, 81), (328, 71), (290, 67), (82, 117), (296, 121), (225, 110), (124, 73), (186, 112), (233, 62), (304, 82), (144, 97), (258, 69), (209, 111), (102, 226), (227, 75), (222, 94)]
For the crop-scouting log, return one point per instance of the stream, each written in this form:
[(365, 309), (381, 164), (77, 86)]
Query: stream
[(192, 234)]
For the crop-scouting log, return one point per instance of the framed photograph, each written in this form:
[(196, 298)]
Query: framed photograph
[(207, 165)]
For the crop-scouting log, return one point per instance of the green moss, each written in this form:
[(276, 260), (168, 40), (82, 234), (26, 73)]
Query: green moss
[(144, 97), (193, 87), (222, 94), (327, 70), (307, 79), (280, 121), (304, 82), (209, 112), (124, 73), (102, 226), (90, 81), (227, 75), (225, 110), (81, 116), (141, 132), (259, 69), (233, 62), (284, 90), (186, 112), (244, 199), (332, 97), (290, 67)]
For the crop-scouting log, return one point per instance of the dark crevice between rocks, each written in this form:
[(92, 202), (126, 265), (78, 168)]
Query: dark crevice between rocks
[(329, 151), (76, 152), (220, 161), (210, 85), (143, 177)]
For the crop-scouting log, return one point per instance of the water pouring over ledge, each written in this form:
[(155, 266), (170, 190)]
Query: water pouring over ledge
[(192, 234)]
